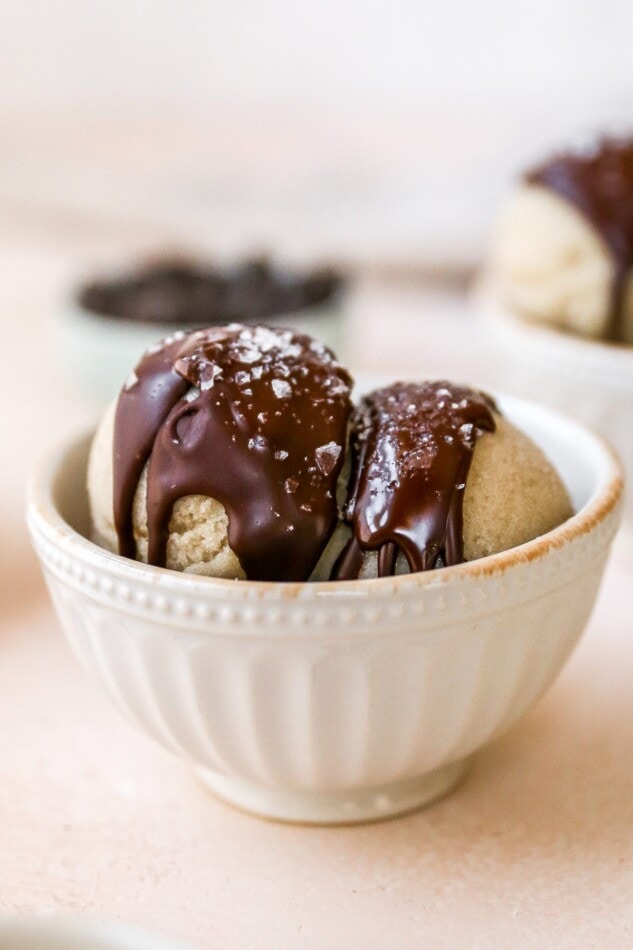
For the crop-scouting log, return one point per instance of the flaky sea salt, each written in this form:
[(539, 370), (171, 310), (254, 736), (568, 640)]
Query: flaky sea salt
[(266, 339), (281, 388), (210, 373), (248, 354), (338, 387), (327, 457), (258, 442)]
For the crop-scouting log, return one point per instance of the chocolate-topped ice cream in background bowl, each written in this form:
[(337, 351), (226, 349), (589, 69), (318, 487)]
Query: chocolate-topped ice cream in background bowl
[(557, 292), (326, 603), (108, 318)]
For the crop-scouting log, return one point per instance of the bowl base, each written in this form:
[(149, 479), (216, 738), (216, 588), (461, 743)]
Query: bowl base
[(338, 807)]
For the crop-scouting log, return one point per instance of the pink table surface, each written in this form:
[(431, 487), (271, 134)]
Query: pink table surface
[(535, 849)]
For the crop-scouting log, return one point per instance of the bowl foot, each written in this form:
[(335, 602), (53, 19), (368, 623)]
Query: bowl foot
[(337, 807)]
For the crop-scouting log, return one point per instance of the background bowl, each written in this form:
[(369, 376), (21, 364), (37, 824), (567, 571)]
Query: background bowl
[(99, 351), (591, 379), (332, 702)]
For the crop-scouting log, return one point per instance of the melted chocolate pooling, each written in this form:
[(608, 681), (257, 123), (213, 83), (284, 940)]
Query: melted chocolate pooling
[(253, 417), (599, 183), (412, 448)]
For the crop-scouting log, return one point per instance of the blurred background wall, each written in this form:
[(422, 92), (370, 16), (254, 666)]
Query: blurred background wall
[(375, 131), (152, 55)]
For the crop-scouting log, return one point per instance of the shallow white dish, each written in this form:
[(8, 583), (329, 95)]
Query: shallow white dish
[(332, 702), (590, 379), (99, 351)]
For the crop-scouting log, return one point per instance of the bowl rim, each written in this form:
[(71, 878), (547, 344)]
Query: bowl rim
[(44, 518)]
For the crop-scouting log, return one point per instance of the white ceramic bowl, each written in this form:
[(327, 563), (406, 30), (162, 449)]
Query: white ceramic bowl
[(590, 379), (332, 702), (99, 352)]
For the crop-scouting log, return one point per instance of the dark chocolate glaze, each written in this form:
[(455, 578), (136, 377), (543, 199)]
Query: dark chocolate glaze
[(599, 183), (412, 446), (190, 293), (253, 417), (143, 406)]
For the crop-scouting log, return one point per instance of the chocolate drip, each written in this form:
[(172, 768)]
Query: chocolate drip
[(253, 417), (412, 448), (599, 183), (146, 401)]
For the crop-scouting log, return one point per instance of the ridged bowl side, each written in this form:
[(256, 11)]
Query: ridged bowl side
[(316, 711)]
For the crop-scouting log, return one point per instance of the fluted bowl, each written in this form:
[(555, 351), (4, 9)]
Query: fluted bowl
[(332, 702)]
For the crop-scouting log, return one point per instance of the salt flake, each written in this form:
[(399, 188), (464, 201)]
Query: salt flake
[(209, 375), (327, 457), (281, 388)]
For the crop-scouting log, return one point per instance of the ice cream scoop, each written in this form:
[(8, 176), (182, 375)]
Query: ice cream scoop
[(223, 454), (563, 248), (439, 476)]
